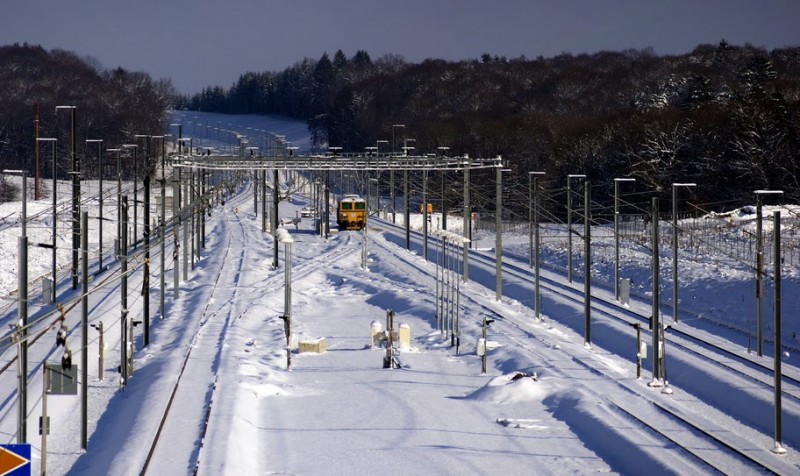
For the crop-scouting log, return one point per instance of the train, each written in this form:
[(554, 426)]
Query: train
[(351, 213)]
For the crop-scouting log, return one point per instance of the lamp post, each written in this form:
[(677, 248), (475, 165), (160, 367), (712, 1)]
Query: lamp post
[(146, 271), (675, 247), (99, 143), (378, 176), (569, 222), (135, 148), (180, 134), (616, 232), (406, 218), (119, 198), (55, 204), (760, 264), (498, 234), (467, 222), (20, 336), (283, 236), (76, 197), (443, 150), (162, 219), (391, 170), (537, 302), (327, 216)]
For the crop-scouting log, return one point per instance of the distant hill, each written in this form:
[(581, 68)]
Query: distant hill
[(724, 116), (111, 105)]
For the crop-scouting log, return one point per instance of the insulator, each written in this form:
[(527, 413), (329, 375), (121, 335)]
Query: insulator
[(66, 360)]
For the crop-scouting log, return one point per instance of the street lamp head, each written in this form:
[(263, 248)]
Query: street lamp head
[(113, 150), (46, 139), (65, 107), (536, 173), (94, 141), (625, 179), (576, 176)]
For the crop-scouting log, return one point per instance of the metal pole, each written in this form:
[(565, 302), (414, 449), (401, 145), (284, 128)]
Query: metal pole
[(655, 322), (759, 271), (569, 223), (21, 327), (119, 202), (123, 257), (22, 348), (760, 266), (587, 267), (406, 217), (327, 218), (674, 253), (616, 241), (439, 282), (569, 229), (191, 189), (263, 177), (55, 216), (84, 330), (100, 350), (530, 220), (135, 195), (185, 209), (535, 251), (675, 248), (100, 217), (163, 225), (776, 217), (176, 215), (498, 247), (537, 296), (425, 215), (467, 218), (616, 233), (76, 202), (204, 209), (147, 230), (276, 201), (45, 426)]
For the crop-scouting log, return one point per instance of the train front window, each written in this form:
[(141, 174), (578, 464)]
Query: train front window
[(347, 206), (360, 205)]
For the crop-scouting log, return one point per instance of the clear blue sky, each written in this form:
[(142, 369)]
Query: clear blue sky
[(198, 43)]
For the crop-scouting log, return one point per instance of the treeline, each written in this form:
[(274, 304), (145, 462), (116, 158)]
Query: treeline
[(112, 105), (723, 116)]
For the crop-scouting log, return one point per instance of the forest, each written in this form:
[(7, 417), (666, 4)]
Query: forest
[(723, 116), (112, 105)]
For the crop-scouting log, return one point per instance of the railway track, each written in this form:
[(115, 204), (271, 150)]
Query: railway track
[(715, 447), (714, 350), (214, 325)]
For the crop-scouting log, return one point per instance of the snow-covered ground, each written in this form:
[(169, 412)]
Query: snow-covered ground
[(341, 412)]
